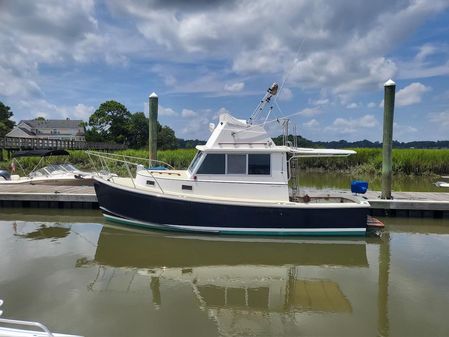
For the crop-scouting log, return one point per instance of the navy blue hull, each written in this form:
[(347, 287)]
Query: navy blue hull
[(152, 209)]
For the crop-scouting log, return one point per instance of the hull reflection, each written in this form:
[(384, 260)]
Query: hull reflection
[(119, 248), (229, 277)]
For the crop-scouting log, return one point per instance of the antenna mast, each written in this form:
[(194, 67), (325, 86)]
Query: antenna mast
[(272, 91)]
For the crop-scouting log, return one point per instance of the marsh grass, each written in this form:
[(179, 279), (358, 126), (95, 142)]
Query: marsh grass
[(366, 161)]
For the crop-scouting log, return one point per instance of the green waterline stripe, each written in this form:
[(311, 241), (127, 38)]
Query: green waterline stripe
[(231, 232)]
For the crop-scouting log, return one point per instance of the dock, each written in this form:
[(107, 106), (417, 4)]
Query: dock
[(403, 204), (47, 196)]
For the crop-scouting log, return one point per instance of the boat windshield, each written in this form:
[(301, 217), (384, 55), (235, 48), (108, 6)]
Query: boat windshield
[(195, 160), (69, 167)]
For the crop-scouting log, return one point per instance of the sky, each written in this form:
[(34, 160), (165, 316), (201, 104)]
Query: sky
[(62, 59)]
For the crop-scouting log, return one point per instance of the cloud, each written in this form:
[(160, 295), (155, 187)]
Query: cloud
[(411, 94), (371, 105), (344, 56), (163, 111), (320, 101), (431, 60), (425, 51), (43, 108), (285, 94), (81, 111), (345, 126), (308, 112), (352, 105), (441, 118), (400, 130), (186, 113), (234, 87), (313, 123)]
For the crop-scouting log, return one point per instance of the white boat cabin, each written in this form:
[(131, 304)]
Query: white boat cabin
[(239, 161)]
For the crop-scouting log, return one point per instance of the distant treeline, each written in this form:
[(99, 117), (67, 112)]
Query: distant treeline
[(303, 142), (188, 143)]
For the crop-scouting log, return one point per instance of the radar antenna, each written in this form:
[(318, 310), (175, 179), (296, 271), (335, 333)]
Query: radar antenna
[(272, 91)]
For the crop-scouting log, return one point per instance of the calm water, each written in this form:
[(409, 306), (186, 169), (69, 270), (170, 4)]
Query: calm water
[(78, 274)]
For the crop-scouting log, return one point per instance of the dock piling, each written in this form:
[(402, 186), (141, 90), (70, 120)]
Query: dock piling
[(152, 127), (387, 161)]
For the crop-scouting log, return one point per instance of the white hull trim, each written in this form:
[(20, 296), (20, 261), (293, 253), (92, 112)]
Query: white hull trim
[(239, 230)]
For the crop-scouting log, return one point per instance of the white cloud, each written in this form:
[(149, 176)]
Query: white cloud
[(400, 130), (430, 61), (371, 105), (313, 123), (164, 111), (441, 118), (308, 112), (285, 95), (81, 111), (320, 101), (187, 113), (234, 87), (352, 105), (344, 126), (411, 94), (345, 56), (425, 51)]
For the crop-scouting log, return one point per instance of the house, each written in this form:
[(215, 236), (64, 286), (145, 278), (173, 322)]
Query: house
[(63, 129)]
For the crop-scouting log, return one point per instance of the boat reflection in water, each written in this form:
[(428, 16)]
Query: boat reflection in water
[(241, 283)]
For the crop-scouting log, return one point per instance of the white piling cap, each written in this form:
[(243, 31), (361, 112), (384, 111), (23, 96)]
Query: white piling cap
[(389, 83), (153, 95)]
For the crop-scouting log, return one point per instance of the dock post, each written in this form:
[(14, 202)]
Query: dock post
[(152, 127), (387, 161)]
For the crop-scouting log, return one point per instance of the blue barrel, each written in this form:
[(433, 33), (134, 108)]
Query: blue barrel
[(358, 186)]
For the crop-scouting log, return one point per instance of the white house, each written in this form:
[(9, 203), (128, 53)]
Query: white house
[(64, 129)]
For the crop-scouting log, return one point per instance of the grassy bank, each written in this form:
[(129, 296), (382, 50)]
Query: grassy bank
[(366, 161), (369, 161)]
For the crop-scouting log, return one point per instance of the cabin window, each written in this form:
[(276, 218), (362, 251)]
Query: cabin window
[(195, 160), (236, 164), (259, 164), (214, 163)]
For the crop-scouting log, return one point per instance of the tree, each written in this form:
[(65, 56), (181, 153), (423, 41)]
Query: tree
[(6, 124), (111, 121), (166, 139), (139, 130)]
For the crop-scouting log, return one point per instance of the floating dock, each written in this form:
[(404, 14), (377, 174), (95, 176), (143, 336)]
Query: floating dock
[(405, 204)]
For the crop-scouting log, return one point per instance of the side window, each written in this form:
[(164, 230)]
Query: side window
[(214, 163), (195, 161), (259, 164), (236, 164)]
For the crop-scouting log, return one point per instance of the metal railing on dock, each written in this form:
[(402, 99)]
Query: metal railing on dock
[(15, 143)]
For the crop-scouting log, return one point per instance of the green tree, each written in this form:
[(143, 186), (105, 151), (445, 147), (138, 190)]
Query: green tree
[(139, 130), (111, 122), (166, 139), (6, 124)]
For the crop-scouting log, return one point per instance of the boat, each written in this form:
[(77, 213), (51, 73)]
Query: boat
[(53, 174), (7, 331), (237, 184), (442, 184)]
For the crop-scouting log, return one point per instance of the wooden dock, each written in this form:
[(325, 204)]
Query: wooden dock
[(47, 196), (407, 204)]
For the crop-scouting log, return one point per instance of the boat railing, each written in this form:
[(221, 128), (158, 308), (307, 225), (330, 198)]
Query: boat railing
[(6, 331), (131, 163), (26, 323)]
